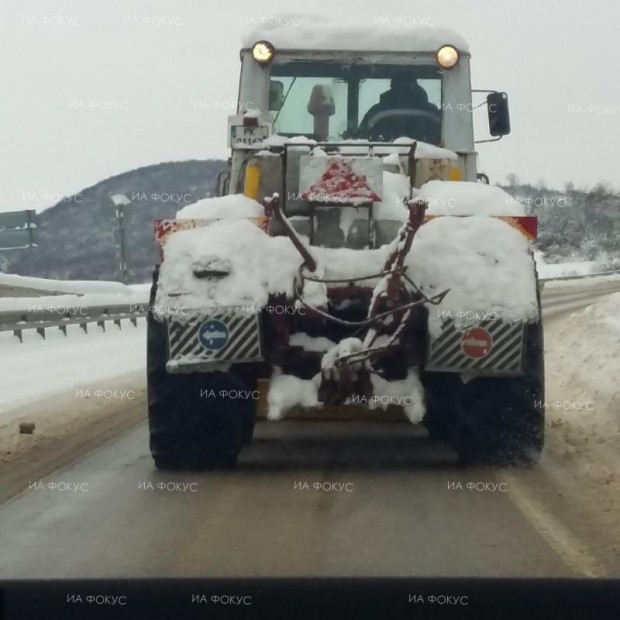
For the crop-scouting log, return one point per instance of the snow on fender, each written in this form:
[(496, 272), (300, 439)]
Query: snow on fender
[(468, 198)]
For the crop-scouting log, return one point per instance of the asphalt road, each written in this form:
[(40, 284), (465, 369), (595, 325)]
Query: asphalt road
[(308, 499), (400, 513)]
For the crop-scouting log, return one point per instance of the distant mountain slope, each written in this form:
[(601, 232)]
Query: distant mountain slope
[(77, 238)]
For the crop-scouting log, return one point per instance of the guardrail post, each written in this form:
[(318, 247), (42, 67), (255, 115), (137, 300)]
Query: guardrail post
[(17, 321)]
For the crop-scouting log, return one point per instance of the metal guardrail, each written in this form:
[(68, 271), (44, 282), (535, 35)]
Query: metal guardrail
[(582, 277), (556, 300), (42, 318)]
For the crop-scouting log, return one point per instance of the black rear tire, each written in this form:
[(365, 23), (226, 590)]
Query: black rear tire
[(191, 426), (501, 421), (439, 417), (492, 421)]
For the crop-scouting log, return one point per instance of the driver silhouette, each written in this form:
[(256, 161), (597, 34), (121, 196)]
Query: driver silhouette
[(404, 94)]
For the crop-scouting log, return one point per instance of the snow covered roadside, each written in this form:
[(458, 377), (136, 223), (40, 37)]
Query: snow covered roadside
[(77, 391), (583, 367), (547, 270), (74, 287), (581, 460), (37, 368), (563, 270)]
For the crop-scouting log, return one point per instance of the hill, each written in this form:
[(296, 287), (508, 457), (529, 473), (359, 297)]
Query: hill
[(77, 236)]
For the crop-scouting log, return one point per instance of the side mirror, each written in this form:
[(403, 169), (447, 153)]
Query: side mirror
[(499, 115), (276, 95)]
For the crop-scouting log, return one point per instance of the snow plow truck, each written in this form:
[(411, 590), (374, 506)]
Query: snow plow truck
[(354, 257)]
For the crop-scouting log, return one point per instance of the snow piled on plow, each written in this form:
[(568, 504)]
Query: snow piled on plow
[(484, 262)]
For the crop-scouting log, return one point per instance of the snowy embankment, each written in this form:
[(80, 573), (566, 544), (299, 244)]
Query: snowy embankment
[(582, 369), (37, 368), (61, 396), (547, 271), (582, 445)]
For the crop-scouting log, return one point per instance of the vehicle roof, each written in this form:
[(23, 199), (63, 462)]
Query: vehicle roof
[(289, 32)]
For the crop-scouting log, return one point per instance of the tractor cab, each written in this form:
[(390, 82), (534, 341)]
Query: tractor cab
[(331, 84)]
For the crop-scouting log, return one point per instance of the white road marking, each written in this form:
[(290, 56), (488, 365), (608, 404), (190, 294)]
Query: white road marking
[(573, 551)]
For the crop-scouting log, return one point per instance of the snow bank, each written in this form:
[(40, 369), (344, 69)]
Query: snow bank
[(233, 205), (466, 198), (37, 368), (563, 270), (77, 287), (306, 32), (485, 262), (583, 366)]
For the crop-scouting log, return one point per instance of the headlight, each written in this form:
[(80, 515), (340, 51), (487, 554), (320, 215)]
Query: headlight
[(262, 52), (447, 56)]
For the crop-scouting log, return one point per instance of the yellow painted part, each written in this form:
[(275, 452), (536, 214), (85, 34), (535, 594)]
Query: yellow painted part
[(455, 174), (252, 181), (358, 413)]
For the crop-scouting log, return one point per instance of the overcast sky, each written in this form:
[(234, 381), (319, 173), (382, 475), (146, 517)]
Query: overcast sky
[(90, 88)]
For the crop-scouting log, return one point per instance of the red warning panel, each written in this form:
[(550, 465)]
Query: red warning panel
[(341, 180), (476, 342)]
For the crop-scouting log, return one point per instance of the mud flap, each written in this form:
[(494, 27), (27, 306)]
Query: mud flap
[(199, 341), (490, 347)]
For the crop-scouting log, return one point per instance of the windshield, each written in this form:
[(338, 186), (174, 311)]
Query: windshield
[(328, 101)]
